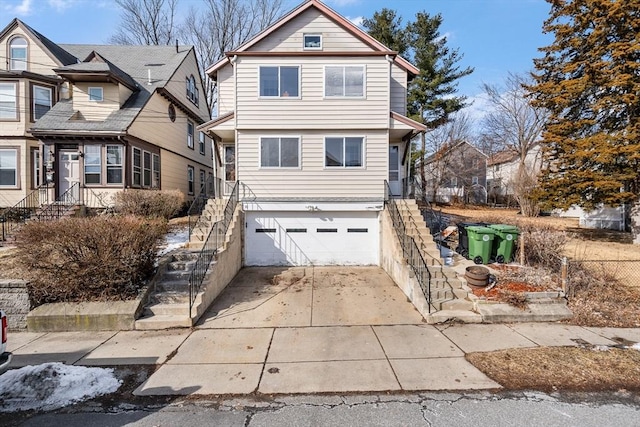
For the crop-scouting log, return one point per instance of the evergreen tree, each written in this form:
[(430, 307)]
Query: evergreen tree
[(431, 95), (589, 81)]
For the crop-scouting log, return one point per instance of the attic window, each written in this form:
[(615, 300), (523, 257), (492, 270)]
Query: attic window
[(192, 90), (18, 54), (96, 94), (312, 42)]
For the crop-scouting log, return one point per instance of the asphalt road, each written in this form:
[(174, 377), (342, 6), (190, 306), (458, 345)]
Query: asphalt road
[(424, 409)]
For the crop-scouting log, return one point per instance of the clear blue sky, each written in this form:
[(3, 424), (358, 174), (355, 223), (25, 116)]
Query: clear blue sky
[(495, 36)]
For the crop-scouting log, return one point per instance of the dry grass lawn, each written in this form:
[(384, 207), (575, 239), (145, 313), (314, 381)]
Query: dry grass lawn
[(562, 368)]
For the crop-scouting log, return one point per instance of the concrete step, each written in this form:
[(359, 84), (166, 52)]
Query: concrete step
[(444, 316), (174, 280), (160, 309), (170, 297), (457, 304), (185, 256), (163, 322), (180, 265)]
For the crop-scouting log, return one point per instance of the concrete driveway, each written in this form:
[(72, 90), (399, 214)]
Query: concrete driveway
[(314, 296), (310, 330)]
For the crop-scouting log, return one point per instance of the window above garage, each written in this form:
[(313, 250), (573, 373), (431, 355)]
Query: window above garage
[(280, 152)]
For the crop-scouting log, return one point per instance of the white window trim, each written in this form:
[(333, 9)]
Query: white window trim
[(101, 93), (16, 89), (33, 103), (279, 96), (191, 180), (191, 135), (364, 82), (106, 165), (202, 143), (26, 56), (342, 168), (298, 137), (84, 166), (17, 168), (304, 46)]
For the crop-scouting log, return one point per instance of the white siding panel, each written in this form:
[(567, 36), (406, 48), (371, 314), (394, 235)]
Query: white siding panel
[(289, 37), (226, 90), (398, 90), (96, 110), (312, 110), (313, 179)]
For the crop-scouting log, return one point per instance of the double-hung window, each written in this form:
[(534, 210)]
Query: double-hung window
[(344, 152), (344, 81), (41, 101), (114, 164), (18, 54), (192, 90), (201, 143), (92, 164), (190, 128), (137, 167), (156, 171), (8, 101), (146, 169), (8, 167), (279, 152), (280, 81), (190, 174)]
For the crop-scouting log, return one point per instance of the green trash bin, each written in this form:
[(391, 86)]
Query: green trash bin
[(480, 243), (504, 242)]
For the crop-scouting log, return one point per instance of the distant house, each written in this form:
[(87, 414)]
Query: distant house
[(456, 173), (96, 119), (502, 173)]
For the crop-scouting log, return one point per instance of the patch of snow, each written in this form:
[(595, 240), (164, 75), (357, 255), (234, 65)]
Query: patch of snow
[(175, 239), (51, 386), (601, 348), (636, 346)]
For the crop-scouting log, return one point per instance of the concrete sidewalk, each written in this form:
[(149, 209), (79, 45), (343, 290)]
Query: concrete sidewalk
[(304, 359), (306, 330)]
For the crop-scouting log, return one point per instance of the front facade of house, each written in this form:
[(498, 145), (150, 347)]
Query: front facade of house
[(502, 173), (99, 119), (312, 123)]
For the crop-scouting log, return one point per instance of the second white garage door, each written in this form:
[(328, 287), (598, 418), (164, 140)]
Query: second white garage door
[(312, 238)]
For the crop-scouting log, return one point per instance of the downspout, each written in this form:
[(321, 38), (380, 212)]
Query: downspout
[(233, 61), (390, 61)]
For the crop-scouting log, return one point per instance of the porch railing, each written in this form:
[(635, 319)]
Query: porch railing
[(214, 240), (13, 217), (61, 206), (207, 191), (410, 250)]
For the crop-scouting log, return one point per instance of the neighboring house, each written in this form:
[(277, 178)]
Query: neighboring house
[(502, 173), (99, 118), (455, 174), (312, 122)]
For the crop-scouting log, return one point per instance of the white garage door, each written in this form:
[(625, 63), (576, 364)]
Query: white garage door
[(312, 238)]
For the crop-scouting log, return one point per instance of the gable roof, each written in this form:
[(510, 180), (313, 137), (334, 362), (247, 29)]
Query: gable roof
[(130, 63), (448, 149), (504, 156), (96, 64), (56, 52), (335, 17)]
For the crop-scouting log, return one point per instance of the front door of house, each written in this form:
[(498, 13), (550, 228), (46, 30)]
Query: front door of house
[(395, 183), (69, 171), (229, 168)]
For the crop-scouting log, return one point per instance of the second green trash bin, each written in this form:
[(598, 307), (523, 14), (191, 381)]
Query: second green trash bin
[(504, 242), (480, 243)]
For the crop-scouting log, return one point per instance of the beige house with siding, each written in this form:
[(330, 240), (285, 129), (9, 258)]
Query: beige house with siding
[(312, 122), (96, 119)]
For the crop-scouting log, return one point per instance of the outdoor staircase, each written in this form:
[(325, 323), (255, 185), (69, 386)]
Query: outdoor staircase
[(448, 295), (213, 211), (168, 305)]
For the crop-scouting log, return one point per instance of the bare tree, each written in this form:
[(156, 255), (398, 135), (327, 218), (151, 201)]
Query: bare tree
[(223, 25), (437, 145), (515, 125), (146, 22)]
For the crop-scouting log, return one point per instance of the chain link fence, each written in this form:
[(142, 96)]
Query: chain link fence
[(624, 272)]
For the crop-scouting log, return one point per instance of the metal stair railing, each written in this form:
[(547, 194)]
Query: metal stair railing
[(207, 190), (410, 249), (211, 245), (13, 217), (62, 204)]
